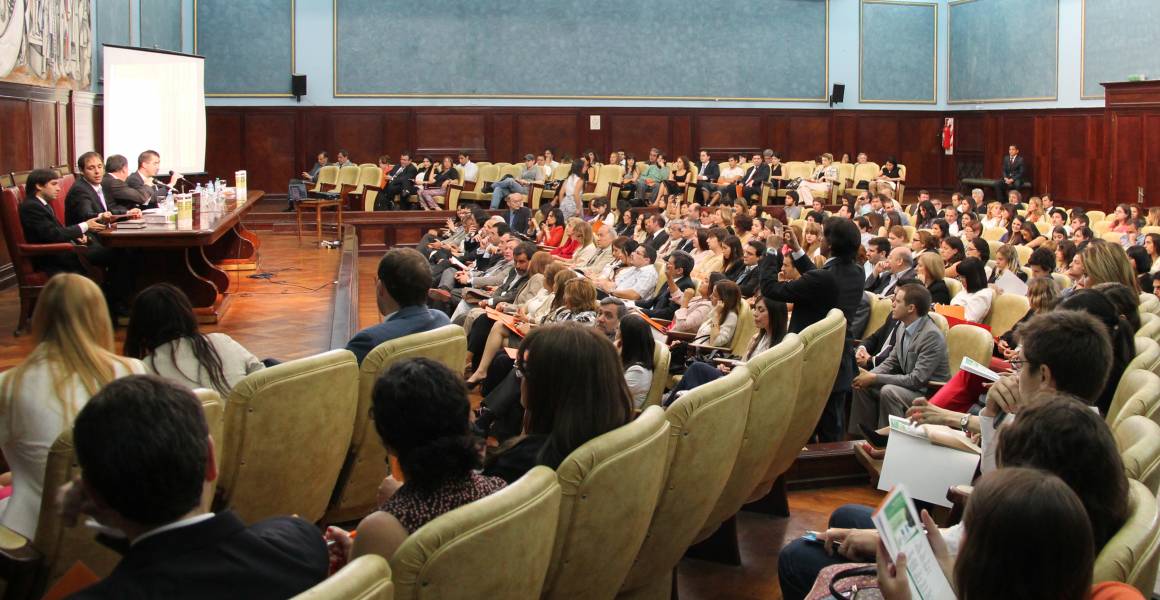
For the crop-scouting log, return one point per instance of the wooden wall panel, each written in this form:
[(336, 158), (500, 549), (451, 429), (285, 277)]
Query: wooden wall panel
[(361, 135), (1067, 155), (397, 132), (809, 136), (1151, 155), (267, 135), (16, 141), (919, 149), (877, 137), (538, 132), (1128, 131), (637, 133), (502, 138), (449, 133), (722, 134), (224, 144), (43, 116)]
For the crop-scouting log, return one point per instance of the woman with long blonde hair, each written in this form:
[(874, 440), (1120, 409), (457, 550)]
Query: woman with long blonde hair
[(1105, 262), (39, 398)]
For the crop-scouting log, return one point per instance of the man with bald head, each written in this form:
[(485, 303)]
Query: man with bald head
[(898, 266)]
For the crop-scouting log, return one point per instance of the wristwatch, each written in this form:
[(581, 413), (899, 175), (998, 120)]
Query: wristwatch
[(963, 422)]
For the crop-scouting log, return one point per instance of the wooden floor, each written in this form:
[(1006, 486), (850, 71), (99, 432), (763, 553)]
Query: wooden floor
[(288, 317)]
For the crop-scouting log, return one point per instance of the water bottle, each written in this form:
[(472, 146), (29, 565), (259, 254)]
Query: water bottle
[(167, 206)]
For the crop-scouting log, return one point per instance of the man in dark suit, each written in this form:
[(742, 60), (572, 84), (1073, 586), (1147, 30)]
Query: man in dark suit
[(143, 180), (151, 491), (751, 182), (41, 226), (657, 236), (86, 199), (1012, 173), (116, 189), (838, 284), (708, 172), (750, 277), (517, 215), (399, 182), (677, 269), (401, 293)]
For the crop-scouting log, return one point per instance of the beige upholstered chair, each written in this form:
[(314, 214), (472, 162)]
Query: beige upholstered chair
[(367, 577), (608, 179), (707, 426), (776, 375), (1151, 330), (32, 565), (311, 398), (824, 343), (743, 334), (1147, 356), (366, 459), (211, 404), (1138, 393), (495, 547), (1138, 439), (1146, 317), (487, 174), (1150, 303), (609, 488), (954, 286), (968, 340), (1006, 311), (661, 358), (1131, 555), (879, 312)]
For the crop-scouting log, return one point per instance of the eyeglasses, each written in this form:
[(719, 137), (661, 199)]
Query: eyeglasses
[(1017, 363)]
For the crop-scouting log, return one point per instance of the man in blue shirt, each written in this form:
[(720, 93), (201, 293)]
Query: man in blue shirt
[(401, 293)]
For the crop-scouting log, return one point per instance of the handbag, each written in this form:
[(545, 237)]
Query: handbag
[(794, 183), (845, 582)]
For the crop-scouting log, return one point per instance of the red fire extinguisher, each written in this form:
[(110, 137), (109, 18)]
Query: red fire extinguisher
[(948, 135)]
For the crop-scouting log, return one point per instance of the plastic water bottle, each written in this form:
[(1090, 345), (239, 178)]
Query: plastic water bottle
[(167, 206)]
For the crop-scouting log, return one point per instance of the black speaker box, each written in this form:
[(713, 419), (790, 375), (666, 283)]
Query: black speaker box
[(838, 93), (298, 85)]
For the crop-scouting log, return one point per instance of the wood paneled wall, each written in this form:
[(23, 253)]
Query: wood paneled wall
[(1065, 149)]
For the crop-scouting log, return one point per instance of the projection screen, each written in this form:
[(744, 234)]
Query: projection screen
[(155, 100)]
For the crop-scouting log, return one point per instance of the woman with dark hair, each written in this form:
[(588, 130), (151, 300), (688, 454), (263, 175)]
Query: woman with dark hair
[(1023, 233), (163, 333), (952, 251), (888, 176), (939, 229), (732, 256), (422, 414), (925, 215), (673, 188), (975, 297), (1064, 254), (772, 320), (1120, 219), (593, 164), (1141, 264), (566, 401), (628, 181), (1152, 248), (923, 242), (635, 341), (551, 231), (626, 224), (568, 197), (1013, 516)]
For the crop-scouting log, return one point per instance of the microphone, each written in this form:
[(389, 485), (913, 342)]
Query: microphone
[(172, 185)]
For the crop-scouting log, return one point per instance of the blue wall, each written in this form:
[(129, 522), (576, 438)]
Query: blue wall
[(899, 60), (314, 23), (248, 46), (160, 24), (1003, 50), (112, 26)]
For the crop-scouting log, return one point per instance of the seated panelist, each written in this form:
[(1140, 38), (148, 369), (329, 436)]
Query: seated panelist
[(86, 199)]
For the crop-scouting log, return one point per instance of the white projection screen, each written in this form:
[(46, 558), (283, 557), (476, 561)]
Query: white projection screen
[(155, 100)]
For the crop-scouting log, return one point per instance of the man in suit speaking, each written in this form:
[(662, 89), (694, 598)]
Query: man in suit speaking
[(88, 197), (401, 293), (150, 491), (1012, 173)]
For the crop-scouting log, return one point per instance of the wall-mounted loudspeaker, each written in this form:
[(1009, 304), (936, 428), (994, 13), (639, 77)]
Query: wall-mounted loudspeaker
[(838, 93), (298, 86)]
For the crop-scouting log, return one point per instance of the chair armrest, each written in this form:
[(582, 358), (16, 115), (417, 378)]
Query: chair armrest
[(50, 249), (958, 495), (20, 564), (665, 322), (681, 335), (934, 386), (372, 188), (708, 348)]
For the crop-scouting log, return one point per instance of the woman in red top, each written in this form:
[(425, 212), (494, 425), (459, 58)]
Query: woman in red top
[(552, 230), (579, 237)]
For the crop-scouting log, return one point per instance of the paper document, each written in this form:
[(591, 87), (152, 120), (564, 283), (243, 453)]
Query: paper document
[(1011, 284), (458, 264), (927, 460), (901, 529), (976, 368)]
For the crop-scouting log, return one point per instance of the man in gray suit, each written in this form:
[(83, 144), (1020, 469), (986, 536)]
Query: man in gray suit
[(401, 293), (919, 356), (899, 266)]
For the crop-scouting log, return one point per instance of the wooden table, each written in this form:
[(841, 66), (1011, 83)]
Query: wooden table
[(195, 260)]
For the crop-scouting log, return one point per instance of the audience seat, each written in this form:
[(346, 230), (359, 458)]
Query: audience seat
[(1146, 317), (954, 286), (1095, 216), (968, 340), (1006, 310), (608, 490), (607, 183), (367, 577), (1138, 393), (326, 181), (365, 466), (1138, 439), (824, 343), (661, 359), (743, 334), (1062, 280), (211, 404), (993, 234), (838, 189), (267, 414), (1151, 331), (497, 547), (879, 311), (1131, 555), (31, 566), (939, 320), (707, 425), (1147, 356), (862, 172), (488, 174), (776, 375), (1150, 303)]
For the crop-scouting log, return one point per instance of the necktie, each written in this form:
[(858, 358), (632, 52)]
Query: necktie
[(750, 177), (101, 195)]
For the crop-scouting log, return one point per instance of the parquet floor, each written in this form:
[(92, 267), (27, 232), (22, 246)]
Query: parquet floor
[(289, 317)]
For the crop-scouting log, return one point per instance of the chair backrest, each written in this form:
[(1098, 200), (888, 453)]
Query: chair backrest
[(1137, 393), (660, 377), (993, 234), (1131, 555), (496, 547), (1138, 439), (746, 328), (879, 311), (1095, 216), (1151, 330), (560, 173), (1149, 303), (13, 232), (776, 375), (487, 174), (1146, 317), (211, 405), (367, 577), (348, 175), (1113, 237), (954, 286), (1006, 310), (608, 489), (968, 340), (1023, 251), (66, 183), (311, 398), (865, 171), (365, 466), (605, 175), (707, 425), (824, 343), (1147, 356), (1062, 280), (369, 175), (60, 545), (327, 175)]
